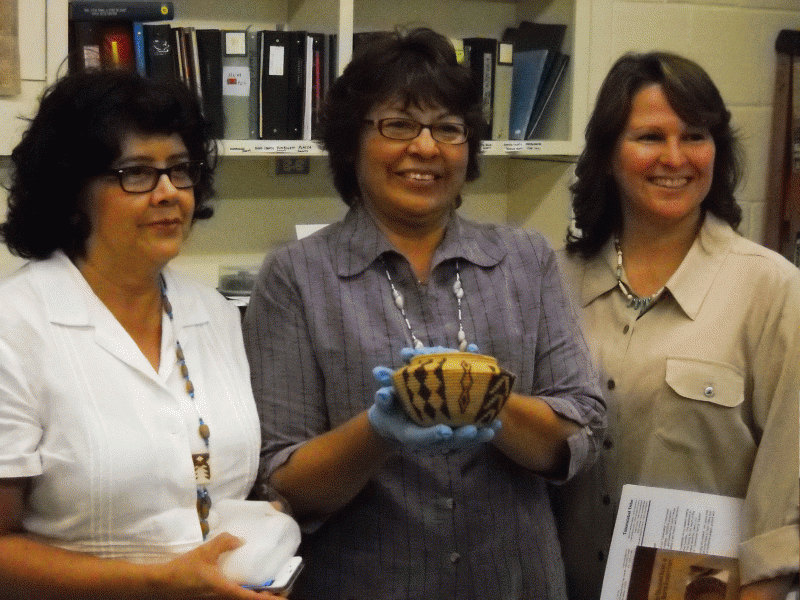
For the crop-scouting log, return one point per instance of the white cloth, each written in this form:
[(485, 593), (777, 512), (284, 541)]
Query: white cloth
[(270, 540), (106, 439)]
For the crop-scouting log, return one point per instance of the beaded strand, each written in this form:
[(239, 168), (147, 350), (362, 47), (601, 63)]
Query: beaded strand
[(201, 461), (458, 292), (635, 302)]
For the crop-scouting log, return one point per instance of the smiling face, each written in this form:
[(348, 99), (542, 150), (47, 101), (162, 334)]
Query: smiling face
[(134, 231), (410, 183), (662, 165)]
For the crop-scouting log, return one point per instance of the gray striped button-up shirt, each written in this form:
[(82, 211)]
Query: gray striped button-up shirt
[(458, 526)]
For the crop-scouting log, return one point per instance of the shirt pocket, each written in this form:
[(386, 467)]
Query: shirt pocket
[(705, 381), (701, 437)]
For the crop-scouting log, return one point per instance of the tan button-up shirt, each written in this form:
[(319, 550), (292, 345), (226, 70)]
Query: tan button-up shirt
[(702, 392)]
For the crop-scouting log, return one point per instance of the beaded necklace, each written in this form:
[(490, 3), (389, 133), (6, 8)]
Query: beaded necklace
[(458, 292), (635, 302), (201, 460)]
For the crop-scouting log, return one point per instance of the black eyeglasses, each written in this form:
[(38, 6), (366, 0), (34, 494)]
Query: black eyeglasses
[(407, 129), (139, 179)]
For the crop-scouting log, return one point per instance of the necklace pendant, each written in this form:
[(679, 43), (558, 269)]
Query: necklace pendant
[(202, 468)]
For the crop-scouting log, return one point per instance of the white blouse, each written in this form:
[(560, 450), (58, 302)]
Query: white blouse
[(107, 439)]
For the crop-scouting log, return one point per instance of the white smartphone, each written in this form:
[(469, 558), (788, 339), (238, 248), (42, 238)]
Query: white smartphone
[(284, 579)]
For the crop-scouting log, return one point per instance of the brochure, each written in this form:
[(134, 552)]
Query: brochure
[(659, 574), (705, 526)]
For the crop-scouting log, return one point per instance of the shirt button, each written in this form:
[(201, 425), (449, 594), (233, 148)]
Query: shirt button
[(449, 503), (608, 444), (709, 392), (611, 384), (455, 557), (626, 329), (606, 499), (601, 556)]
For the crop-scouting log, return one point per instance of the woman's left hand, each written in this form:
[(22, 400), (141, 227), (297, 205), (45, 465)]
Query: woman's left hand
[(196, 574)]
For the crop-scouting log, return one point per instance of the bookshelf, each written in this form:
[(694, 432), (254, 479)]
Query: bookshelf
[(563, 131), (522, 183)]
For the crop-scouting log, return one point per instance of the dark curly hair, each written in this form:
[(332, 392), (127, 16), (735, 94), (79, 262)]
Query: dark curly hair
[(77, 135), (419, 68), (693, 96)]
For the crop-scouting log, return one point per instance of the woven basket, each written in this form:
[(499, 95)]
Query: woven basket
[(453, 388)]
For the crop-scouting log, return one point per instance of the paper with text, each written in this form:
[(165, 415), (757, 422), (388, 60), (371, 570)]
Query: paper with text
[(670, 519)]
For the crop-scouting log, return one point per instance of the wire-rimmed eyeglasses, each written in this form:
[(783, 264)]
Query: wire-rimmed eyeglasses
[(139, 179), (407, 129)]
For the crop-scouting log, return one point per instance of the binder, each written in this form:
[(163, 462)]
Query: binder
[(527, 72), (273, 84), (255, 67), (543, 98), (480, 54), (332, 60), (546, 38), (193, 62), (181, 62), (84, 45), (159, 51), (236, 85), (138, 47), (296, 97), (501, 115), (209, 56), (308, 87), (318, 75), (116, 45)]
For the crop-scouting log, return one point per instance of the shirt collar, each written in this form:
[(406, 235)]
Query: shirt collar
[(359, 242), (68, 299), (600, 274), (690, 283)]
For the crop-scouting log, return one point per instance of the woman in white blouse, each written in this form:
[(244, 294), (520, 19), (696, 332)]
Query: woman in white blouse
[(125, 406)]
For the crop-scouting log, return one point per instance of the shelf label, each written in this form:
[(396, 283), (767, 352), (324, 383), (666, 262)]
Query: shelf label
[(521, 146), (278, 147)]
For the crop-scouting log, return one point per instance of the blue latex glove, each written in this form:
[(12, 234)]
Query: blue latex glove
[(391, 422)]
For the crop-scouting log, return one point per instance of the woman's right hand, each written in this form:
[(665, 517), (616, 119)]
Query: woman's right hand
[(196, 574)]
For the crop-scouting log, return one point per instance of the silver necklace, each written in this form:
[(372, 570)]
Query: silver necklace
[(635, 302), (201, 460), (458, 292)]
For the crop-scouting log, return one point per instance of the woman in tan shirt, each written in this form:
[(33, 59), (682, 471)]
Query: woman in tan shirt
[(696, 330)]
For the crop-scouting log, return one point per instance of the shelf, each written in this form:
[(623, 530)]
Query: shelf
[(511, 148), (270, 148), (564, 133), (528, 148)]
